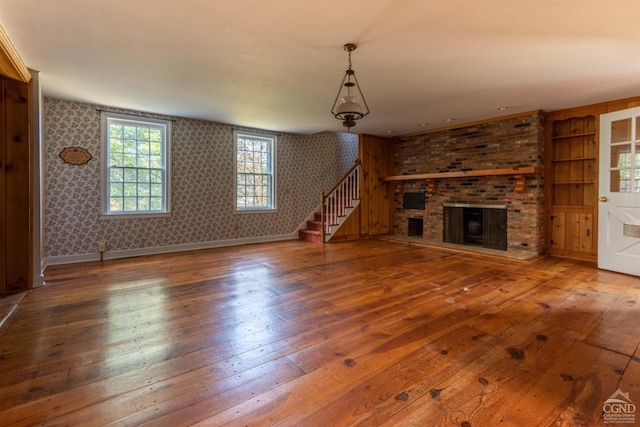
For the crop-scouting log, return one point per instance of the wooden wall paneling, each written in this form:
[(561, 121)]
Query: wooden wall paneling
[(573, 231), (18, 215), (576, 193), (350, 229), (3, 203), (579, 232), (557, 228), (622, 104), (586, 233), (363, 153), (376, 205)]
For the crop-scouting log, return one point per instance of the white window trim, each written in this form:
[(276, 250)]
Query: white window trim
[(104, 170), (250, 210)]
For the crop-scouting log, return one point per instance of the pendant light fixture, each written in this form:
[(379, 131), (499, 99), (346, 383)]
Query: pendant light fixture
[(349, 109)]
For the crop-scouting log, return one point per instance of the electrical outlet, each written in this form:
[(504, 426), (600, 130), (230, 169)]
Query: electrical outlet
[(102, 246)]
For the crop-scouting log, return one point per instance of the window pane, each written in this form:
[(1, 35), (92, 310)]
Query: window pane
[(130, 175), (116, 131), (156, 190), (155, 204), (620, 181), (116, 145), (116, 190), (155, 162), (116, 203), (136, 164), (144, 190), (142, 133), (116, 159), (143, 161), (129, 160), (620, 156), (143, 147), (130, 132), (155, 148), (621, 130), (155, 135), (143, 175), (155, 176), (116, 175), (130, 203), (143, 204), (129, 146), (130, 189)]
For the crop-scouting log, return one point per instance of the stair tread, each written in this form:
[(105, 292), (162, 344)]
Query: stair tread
[(316, 232)]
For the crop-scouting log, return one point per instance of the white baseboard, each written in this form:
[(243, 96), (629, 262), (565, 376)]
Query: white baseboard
[(128, 253)]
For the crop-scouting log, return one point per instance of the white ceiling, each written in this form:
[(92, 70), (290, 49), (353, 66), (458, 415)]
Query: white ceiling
[(277, 64)]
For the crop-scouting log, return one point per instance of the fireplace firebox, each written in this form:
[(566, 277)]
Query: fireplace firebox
[(476, 225), (414, 226)]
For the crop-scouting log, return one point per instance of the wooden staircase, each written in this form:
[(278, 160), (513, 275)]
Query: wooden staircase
[(337, 204), (313, 232)]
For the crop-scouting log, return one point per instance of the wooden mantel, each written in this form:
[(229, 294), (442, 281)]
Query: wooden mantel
[(518, 173)]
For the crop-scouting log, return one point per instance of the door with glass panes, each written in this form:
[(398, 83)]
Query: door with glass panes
[(619, 192)]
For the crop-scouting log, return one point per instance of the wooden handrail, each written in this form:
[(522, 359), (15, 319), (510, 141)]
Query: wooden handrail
[(324, 193)]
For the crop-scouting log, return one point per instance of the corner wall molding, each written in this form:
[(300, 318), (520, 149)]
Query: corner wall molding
[(11, 65)]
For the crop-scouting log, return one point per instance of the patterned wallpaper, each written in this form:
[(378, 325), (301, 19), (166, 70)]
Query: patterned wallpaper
[(202, 185)]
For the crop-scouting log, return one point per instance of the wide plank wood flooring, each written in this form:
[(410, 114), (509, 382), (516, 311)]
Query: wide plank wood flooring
[(366, 333)]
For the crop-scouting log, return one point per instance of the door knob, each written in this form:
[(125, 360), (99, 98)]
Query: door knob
[(603, 199)]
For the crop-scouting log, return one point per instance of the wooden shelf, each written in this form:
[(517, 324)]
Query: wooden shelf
[(570, 185), (527, 170), (577, 159), (575, 135), (572, 182), (518, 173)]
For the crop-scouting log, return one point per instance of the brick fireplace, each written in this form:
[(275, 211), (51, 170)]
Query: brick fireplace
[(513, 142)]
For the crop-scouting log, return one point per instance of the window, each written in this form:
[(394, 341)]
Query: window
[(255, 171), (135, 166)]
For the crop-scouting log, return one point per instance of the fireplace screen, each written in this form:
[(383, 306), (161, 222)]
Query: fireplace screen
[(476, 225)]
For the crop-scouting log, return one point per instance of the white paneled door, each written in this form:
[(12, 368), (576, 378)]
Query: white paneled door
[(619, 192)]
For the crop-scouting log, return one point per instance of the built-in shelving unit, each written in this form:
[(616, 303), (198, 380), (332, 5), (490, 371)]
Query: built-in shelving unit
[(572, 178)]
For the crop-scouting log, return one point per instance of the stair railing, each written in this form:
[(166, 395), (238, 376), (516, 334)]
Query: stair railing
[(341, 196)]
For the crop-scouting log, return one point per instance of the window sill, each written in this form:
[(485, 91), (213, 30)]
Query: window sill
[(135, 215), (255, 211)]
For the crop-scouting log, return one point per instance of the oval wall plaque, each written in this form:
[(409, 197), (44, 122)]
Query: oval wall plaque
[(75, 155)]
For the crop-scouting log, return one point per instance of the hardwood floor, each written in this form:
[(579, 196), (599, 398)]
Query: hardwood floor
[(372, 333)]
